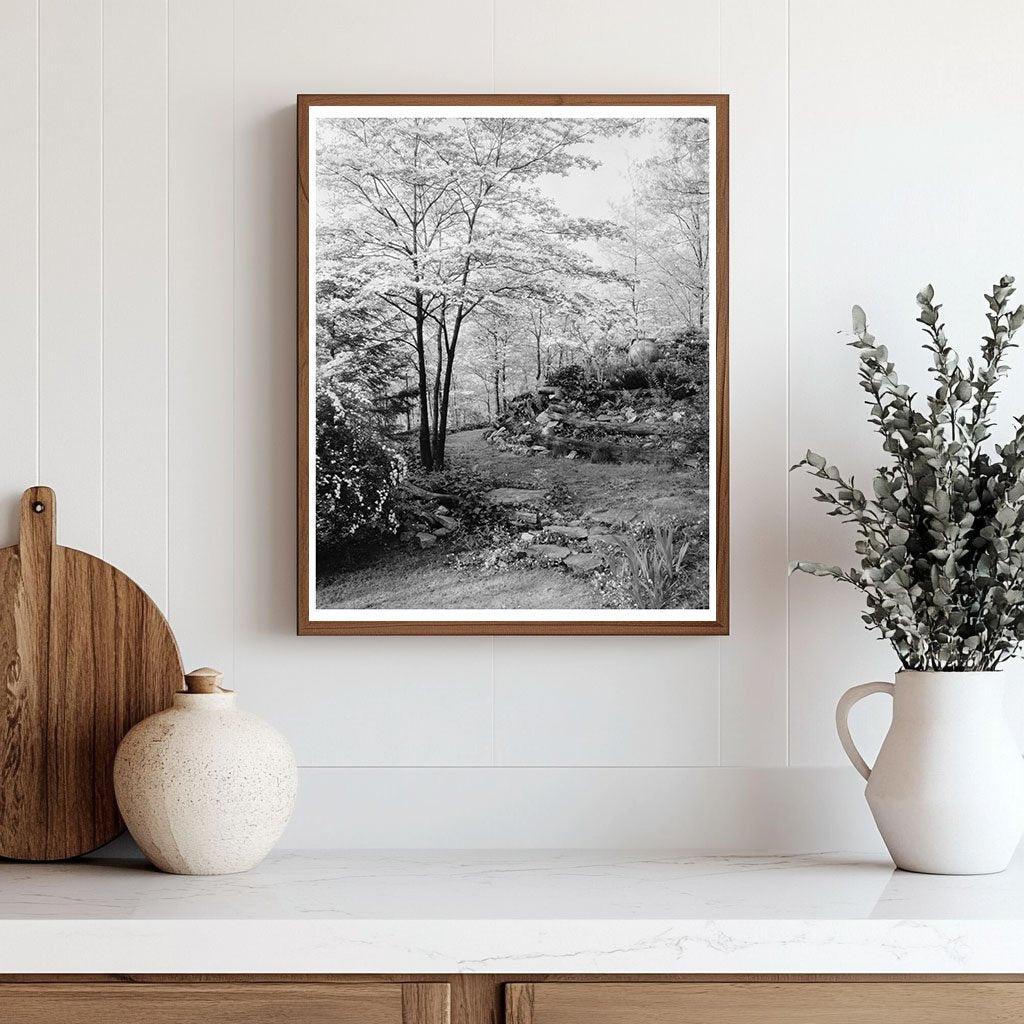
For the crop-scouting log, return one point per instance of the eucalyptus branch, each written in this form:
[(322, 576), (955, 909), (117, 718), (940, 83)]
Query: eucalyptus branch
[(941, 539)]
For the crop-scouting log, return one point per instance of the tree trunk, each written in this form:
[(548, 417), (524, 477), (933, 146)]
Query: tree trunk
[(450, 346), (426, 454), (442, 434), (437, 392)]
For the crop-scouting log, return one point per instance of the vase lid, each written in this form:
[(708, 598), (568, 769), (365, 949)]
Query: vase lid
[(204, 681)]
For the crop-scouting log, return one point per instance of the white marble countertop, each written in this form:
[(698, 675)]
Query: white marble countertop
[(491, 912)]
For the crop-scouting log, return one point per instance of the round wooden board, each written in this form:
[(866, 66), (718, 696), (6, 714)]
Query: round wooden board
[(84, 655)]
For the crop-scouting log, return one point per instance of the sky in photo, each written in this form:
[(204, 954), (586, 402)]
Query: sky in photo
[(593, 193)]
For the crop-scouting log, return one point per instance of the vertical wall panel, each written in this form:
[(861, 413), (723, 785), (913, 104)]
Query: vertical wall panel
[(582, 46), (905, 166), (135, 290), (669, 46), (360, 702), (18, 51), (605, 700), (753, 670), (70, 266), (324, 46), (200, 224)]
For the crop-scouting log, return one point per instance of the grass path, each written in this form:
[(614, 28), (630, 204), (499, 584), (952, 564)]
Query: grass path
[(593, 486), (402, 578)]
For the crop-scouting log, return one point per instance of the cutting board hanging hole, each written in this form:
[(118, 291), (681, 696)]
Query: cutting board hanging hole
[(38, 523)]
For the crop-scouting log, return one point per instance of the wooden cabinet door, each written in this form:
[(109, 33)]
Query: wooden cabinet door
[(862, 1002), (234, 1003)]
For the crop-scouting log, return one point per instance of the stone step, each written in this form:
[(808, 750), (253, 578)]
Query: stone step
[(569, 532), (515, 496), (526, 518), (584, 562), (549, 552), (612, 517)]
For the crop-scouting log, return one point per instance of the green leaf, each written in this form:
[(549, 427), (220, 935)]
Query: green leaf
[(941, 545)]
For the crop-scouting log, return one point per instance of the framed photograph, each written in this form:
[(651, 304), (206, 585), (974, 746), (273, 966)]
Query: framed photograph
[(512, 364)]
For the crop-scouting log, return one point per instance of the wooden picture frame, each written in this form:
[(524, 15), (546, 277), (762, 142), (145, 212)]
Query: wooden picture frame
[(712, 621)]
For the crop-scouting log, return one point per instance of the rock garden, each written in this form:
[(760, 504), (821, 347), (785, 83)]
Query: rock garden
[(579, 491)]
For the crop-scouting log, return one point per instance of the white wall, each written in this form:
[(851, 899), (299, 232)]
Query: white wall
[(147, 280)]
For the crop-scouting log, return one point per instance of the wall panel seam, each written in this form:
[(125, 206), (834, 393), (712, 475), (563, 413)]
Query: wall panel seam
[(103, 282), (38, 377), (494, 701), (718, 724), (234, 334), (167, 309), (719, 45), (788, 609)]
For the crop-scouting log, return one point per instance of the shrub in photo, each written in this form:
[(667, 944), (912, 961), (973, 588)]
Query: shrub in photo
[(571, 379), (628, 378), (356, 475)]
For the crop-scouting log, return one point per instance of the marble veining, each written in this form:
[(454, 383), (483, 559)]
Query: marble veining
[(494, 912)]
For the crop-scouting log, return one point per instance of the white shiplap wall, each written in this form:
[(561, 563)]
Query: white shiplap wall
[(147, 279)]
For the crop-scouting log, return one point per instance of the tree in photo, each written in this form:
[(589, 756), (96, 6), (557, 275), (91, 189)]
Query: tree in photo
[(423, 220), (499, 353), (663, 252), (676, 194)]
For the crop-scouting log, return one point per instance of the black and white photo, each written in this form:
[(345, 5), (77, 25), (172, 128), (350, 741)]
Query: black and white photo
[(512, 365)]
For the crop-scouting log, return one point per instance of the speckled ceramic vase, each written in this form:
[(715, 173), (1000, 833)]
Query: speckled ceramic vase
[(204, 788)]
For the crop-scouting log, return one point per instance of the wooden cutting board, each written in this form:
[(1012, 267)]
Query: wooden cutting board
[(84, 655)]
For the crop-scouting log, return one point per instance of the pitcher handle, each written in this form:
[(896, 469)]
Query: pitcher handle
[(846, 702)]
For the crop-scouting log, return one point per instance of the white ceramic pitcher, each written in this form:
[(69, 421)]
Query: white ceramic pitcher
[(947, 789)]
